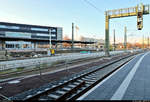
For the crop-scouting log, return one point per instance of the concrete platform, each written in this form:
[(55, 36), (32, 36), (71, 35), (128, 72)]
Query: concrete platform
[(32, 62), (131, 82)]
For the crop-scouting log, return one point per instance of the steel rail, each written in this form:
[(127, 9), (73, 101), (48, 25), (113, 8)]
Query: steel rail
[(75, 87)]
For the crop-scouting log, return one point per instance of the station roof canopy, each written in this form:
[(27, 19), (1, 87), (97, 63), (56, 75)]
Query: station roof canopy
[(42, 40)]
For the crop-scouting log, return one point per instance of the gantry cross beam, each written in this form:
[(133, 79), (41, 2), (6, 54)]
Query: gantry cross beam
[(138, 11)]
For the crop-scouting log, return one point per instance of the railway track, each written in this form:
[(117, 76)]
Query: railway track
[(78, 85), (4, 98), (36, 70)]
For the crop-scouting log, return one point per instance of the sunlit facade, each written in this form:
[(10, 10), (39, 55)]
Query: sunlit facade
[(13, 30)]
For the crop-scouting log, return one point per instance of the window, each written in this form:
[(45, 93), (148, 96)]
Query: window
[(2, 26), (53, 30), (9, 45), (47, 35), (18, 34), (12, 27), (53, 35), (25, 28), (39, 29), (9, 27)]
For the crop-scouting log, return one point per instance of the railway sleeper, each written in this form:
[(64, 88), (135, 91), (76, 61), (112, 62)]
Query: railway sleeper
[(61, 93), (94, 76), (69, 91), (92, 80), (85, 89), (81, 86)]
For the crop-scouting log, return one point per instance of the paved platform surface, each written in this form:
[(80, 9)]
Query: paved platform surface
[(131, 82)]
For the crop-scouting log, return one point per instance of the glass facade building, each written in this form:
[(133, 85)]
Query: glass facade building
[(14, 30)]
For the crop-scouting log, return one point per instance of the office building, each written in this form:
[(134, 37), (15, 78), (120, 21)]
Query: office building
[(26, 31)]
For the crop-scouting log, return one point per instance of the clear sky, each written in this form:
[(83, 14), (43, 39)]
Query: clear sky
[(62, 13)]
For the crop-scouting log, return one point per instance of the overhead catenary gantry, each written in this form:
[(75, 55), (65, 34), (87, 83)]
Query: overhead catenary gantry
[(138, 11)]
